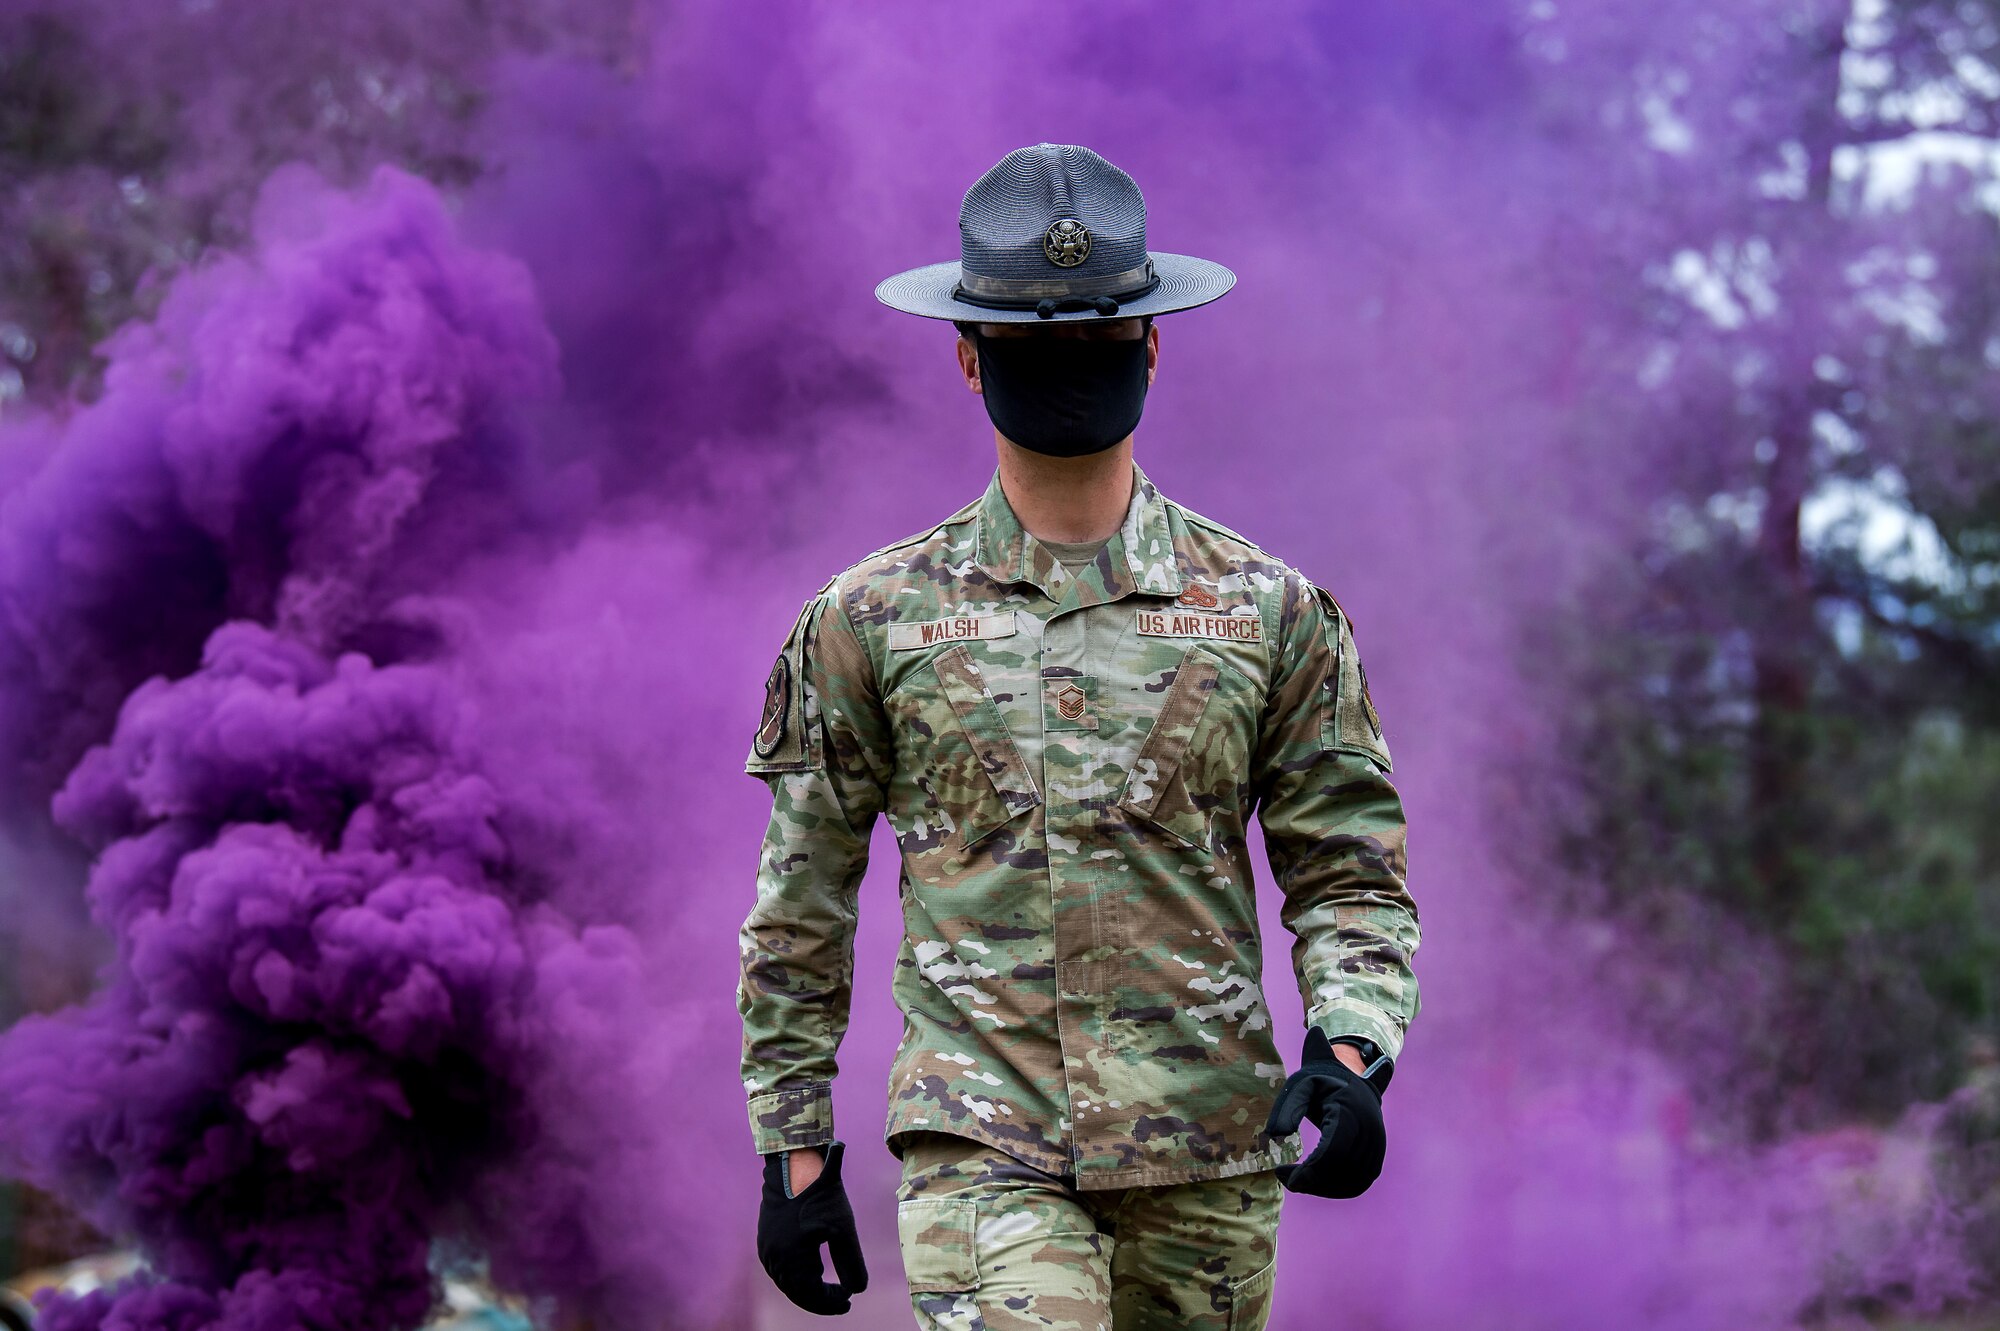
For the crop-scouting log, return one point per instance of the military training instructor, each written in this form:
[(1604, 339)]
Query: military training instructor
[(1069, 697)]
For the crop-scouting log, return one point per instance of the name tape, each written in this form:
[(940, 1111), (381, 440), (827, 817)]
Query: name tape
[(930, 632), (1230, 628)]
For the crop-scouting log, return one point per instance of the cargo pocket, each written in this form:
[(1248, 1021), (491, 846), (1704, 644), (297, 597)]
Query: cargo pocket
[(976, 772), (1158, 788), (1250, 1299), (936, 1237)]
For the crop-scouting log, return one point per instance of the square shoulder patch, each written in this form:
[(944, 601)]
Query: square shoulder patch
[(1352, 722)]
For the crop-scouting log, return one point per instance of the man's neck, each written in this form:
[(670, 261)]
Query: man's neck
[(1067, 499)]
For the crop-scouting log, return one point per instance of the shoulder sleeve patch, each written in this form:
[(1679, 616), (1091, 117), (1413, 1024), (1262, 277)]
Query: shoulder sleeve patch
[(785, 741), (1352, 723)]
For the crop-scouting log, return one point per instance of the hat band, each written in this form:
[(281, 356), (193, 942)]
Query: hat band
[(1019, 293)]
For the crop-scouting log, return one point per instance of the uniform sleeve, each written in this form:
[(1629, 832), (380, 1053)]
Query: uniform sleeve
[(1333, 827), (823, 748)]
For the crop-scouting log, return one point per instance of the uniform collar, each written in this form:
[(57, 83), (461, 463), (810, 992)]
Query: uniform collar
[(1140, 555)]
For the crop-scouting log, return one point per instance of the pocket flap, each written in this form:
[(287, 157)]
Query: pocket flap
[(1250, 1298), (1155, 788), (1002, 789), (936, 1236)]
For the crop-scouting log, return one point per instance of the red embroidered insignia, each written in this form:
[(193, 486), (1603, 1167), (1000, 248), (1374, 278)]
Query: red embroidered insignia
[(1198, 595)]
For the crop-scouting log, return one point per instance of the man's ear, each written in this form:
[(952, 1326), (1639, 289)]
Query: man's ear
[(968, 364), (1152, 350)]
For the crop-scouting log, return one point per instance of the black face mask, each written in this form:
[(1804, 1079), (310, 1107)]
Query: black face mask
[(1065, 396)]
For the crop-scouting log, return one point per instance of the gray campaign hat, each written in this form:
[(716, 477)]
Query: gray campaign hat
[(1054, 232)]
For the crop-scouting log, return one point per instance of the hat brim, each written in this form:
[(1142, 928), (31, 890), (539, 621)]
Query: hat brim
[(1185, 282)]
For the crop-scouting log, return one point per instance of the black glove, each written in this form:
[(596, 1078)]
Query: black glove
[(1348, 1110), (790, 1230)]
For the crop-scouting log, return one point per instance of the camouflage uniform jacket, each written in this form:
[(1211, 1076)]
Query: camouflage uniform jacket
[(1069, 763)]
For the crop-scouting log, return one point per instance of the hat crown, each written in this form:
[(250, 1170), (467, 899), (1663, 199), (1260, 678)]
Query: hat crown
[(1015, 223)]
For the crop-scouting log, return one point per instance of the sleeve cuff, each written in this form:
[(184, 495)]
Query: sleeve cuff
[(1346, 1019), (798, 1116)]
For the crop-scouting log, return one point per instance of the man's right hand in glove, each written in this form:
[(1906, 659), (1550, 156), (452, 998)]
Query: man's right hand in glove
[(791, 1227)]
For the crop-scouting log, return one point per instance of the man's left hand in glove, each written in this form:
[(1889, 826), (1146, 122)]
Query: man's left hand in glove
[(791, 1226), (1348, 1111)]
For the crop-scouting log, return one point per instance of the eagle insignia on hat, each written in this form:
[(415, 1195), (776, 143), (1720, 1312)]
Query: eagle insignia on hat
[(1066, 243)]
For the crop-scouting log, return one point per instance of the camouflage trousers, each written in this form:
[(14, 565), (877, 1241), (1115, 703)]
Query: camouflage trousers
[(991, 1244)]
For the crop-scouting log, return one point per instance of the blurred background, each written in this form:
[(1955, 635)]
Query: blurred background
[(419, 425)]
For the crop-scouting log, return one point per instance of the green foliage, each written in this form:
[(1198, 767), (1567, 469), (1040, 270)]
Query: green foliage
[(1778, 698), (1893, 945)]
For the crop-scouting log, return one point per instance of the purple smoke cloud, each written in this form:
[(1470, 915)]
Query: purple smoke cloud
[(391, 629), (341, 986)]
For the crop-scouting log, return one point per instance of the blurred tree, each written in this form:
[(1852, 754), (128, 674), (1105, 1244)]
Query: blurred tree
[(1780, 709), (134, 136)]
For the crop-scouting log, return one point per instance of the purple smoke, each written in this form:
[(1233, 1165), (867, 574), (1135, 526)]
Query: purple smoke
[(350, 987), (397, 683)]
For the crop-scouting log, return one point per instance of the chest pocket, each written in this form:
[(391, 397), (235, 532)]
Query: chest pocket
[(1187, 768), (976, 773)]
